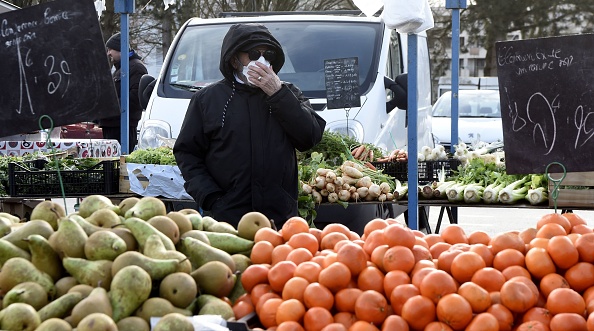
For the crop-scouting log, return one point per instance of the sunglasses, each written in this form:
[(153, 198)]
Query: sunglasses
[(255, 54)]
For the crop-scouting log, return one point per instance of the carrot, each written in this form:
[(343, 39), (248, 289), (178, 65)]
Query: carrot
[(358, 151), (370, 155), (370, 166)]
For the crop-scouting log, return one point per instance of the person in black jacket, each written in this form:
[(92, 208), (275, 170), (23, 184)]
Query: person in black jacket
[(236, 148), (112, 126)]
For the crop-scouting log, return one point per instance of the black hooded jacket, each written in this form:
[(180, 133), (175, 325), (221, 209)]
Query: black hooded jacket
[(236, 147)]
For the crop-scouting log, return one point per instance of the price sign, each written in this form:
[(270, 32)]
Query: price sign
[(342, 83), (546, 87), (54, 63)]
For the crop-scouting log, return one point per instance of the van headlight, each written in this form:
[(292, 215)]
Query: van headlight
[(351, 129), (151, 132)]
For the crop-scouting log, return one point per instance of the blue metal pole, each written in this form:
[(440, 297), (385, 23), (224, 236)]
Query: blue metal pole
[(125, 97), (413, 111), (455, 5)]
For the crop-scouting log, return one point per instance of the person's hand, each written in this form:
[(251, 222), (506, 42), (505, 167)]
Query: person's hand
[(265, 78)]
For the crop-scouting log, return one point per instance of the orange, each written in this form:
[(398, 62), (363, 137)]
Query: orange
[(293, 226)]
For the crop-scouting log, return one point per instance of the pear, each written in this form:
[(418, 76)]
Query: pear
[(88, 227), (19, 270), (237, 291), (96, 302), (11, 217), (64, 284), (167, 226), (133, 323), (241, 262), (200, 253), (250, 223), (230, 243), (212, 225), (28, 292), (156, 268), (105, 218), (54, 324), (126, 204), (154, 248), (104, 245), (9, 250), (197, 222), (97, 322), (214, 277), (60, 307), (69, 240), (83, 289), (93, 273), (130, 287), (188, 211), (142, 230), (146, 208), (5, 226), (158, 307), (94, 202), (174, 321), (126, 234), (39, 227), (183, 221), (48, 211), (211, 305), (44, 257), (19, 316), (197, 234), (179, 288)]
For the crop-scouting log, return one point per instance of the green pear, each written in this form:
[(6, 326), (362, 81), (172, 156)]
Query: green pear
[(11, 217), (28, 292), (19, 316), (130, 287), (156, 268), (88, 227), (9, 250), (142, 230), (105, 218), (44, 257), (166, 225), (83, 289), (60, 307), (214, 277), (230, 243), (133, 323), (211, 305), (174, 322), (5, 226), (92, 203), (237, 291), (104, 245), (96, 302), (196, 219), (69, 240), (154, 248), (126, 204), (183, 221), (197, 234), (158, 307), (54, 324), (212, 225), (179, 288), (97, 322), (93, 273), (64, 284), (250, 223), (188, 211), (126, 234), (241, 262), (39, 227), (48, 211), (146, 208), (19, 270), (199, 253)]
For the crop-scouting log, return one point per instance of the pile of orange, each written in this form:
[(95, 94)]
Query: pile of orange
[(395, 278)]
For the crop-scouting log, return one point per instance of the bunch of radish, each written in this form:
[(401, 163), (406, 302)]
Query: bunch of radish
[(352, 181)]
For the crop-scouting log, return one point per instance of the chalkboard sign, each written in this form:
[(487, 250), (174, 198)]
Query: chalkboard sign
[(53, 63), (546, 89), (342, 82)]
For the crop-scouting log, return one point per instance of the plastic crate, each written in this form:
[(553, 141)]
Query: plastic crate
[(428, 170), (103, 178)]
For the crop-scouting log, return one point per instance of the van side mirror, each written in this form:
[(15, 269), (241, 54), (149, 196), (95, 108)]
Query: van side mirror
[(145, 89), (399, 87)]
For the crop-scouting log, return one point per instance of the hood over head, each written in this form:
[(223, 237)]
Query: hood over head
[(245, 36)]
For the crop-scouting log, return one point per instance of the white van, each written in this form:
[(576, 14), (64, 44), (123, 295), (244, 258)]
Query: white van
[(192, 62)]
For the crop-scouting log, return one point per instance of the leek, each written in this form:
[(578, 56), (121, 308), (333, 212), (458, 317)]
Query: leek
[(455, 193), (537, 196), (514, 192), (491, 192), (473, 193)]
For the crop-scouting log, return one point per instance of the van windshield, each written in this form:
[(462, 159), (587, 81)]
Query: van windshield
[(195, 62)]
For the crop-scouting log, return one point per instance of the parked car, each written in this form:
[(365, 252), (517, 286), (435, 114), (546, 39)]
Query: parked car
[(83, 130), (479, 117)]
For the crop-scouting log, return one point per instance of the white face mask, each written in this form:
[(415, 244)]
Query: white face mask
[(253, 63)]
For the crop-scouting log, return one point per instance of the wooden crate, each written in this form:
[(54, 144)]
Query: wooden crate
[(573, 197), (124, 182)]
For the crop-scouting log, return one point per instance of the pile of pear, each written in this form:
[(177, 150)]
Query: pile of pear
[(114, 266)]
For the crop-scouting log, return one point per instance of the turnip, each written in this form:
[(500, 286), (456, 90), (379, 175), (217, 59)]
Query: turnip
[(324, 192), (362, 192), (384, 187), (317, 196), (332, 197), (322, 171), (330, 176), (351, 171), (355, 196), (306, 188), (374, 190), (320, 182), (349, 180), (337, 181), (381, 198), (330, 187), (364, 182), (344, 195), (390, 197), (352, 189)]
